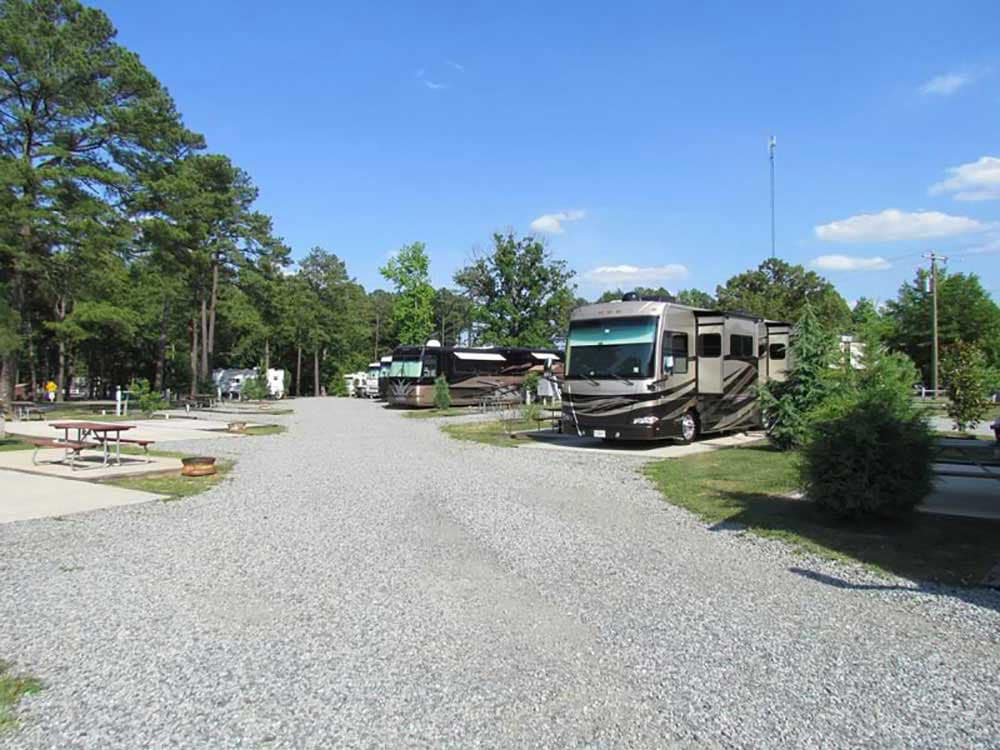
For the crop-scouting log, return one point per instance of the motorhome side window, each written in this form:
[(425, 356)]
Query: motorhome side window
[(675, 353), (430, 366), (777, 351), (710, 345), (741, 346)]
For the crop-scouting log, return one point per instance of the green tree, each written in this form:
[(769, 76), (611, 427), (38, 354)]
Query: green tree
[(442, 394), (76, 111), (696, 298), (409, 272), (966, 312), (382, 321), (523, 295), (780, 291), (453, 313), (966, 379), (787, 405)]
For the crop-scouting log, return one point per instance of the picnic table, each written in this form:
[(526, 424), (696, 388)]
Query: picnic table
[(102, 432)]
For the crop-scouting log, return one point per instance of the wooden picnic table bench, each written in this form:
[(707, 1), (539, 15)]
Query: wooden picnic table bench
[(144, 444), (71, 448)]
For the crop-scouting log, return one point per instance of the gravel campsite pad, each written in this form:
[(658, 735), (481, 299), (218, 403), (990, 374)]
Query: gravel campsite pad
[(363, 580)]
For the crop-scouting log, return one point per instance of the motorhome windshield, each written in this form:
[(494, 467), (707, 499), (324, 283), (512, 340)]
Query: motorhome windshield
[(411, 366), (621, 348)]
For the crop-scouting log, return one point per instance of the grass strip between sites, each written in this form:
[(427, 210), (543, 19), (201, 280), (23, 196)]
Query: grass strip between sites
[(750, 486), (490, 432), (451, 411), (12, 687), (11, 443), (174, 486)]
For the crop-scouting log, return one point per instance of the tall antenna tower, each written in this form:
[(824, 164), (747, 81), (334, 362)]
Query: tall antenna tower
[(771, 145)]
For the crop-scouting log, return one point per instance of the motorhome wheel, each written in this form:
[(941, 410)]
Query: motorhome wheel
[(689, 427)]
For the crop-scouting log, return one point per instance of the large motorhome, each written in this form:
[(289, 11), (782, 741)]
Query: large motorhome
[(472, 373), (371, 380), (643, 369)]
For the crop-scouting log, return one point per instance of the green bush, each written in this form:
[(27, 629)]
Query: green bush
[(868, 449), (337, 386), (966, 377), (531, 413), (865, 459), (531, 382), (146, 399), (786, 406), (255, 389), (442, 396)]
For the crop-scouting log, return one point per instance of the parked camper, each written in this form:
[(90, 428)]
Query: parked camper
[(649, 369), (383, 376), (371, 380), (471, 373)]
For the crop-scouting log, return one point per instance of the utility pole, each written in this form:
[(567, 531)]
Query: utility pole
[(934, 258), (771, 145)]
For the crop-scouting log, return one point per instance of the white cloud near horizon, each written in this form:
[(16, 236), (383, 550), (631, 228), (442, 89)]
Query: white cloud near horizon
[(976, 181), (850, 263), (627, 274), (945, 85), (457, 66), (553, 223), (892, 225)]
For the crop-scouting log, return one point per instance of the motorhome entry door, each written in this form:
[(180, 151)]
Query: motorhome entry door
[(710, 358)]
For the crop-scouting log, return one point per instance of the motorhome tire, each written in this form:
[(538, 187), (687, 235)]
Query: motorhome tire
[(690, 427)]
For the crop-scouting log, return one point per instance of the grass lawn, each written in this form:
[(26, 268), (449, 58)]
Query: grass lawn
[(11, 443), (749, 486), (12, 687), (174, 486), (492, 432), (265, 429), (451, 411)]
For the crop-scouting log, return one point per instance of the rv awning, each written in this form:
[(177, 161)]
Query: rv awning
[(482, 356), (544, 355)]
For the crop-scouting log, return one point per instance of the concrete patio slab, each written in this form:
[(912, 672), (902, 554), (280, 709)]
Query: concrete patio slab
[(27, 496), (649, 451), (971, 497), (144, 430), (88, 468)]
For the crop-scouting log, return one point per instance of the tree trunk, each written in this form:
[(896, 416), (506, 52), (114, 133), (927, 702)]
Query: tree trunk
[(316, 372), (61, 385), (194, 356), (203, 372), (211, 307), (161, 347), (267, 355), (298, 373), (70, 375), (377, 321), (7, 379), (32, 368)]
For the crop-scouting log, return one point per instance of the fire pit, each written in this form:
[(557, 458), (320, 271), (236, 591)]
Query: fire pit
[(198, 466)]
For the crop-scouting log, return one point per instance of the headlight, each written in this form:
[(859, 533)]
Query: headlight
[(646, 420)]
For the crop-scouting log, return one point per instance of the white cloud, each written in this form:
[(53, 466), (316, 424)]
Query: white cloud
[(976, 181), (945, 85), (849, 263), (553, 223), (625, 274), (432, 85), (457, 66), (893, 224)]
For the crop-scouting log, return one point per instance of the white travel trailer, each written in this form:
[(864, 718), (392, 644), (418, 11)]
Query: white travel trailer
[(644, 369), (371, 380)]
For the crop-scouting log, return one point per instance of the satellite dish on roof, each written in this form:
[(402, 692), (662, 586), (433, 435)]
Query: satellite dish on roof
[(432, 342)]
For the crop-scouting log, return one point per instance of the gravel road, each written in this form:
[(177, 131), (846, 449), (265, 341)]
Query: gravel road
[(363, 581)]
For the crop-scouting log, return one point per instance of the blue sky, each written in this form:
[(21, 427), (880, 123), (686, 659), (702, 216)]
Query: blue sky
[(633, 135)]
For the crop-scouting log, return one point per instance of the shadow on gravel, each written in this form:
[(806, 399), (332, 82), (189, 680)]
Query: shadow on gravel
[(980, 596), (920, 547)]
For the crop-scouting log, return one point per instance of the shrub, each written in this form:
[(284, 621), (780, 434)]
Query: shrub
[(531, 413), (865, 459), (786, 405), (442, 396), (146, 399), (338, 385), (967, 380), (531, 384), (868, 449), (255, 389)]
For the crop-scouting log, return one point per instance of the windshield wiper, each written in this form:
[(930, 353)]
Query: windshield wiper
[(622, 378), (583, 375)]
